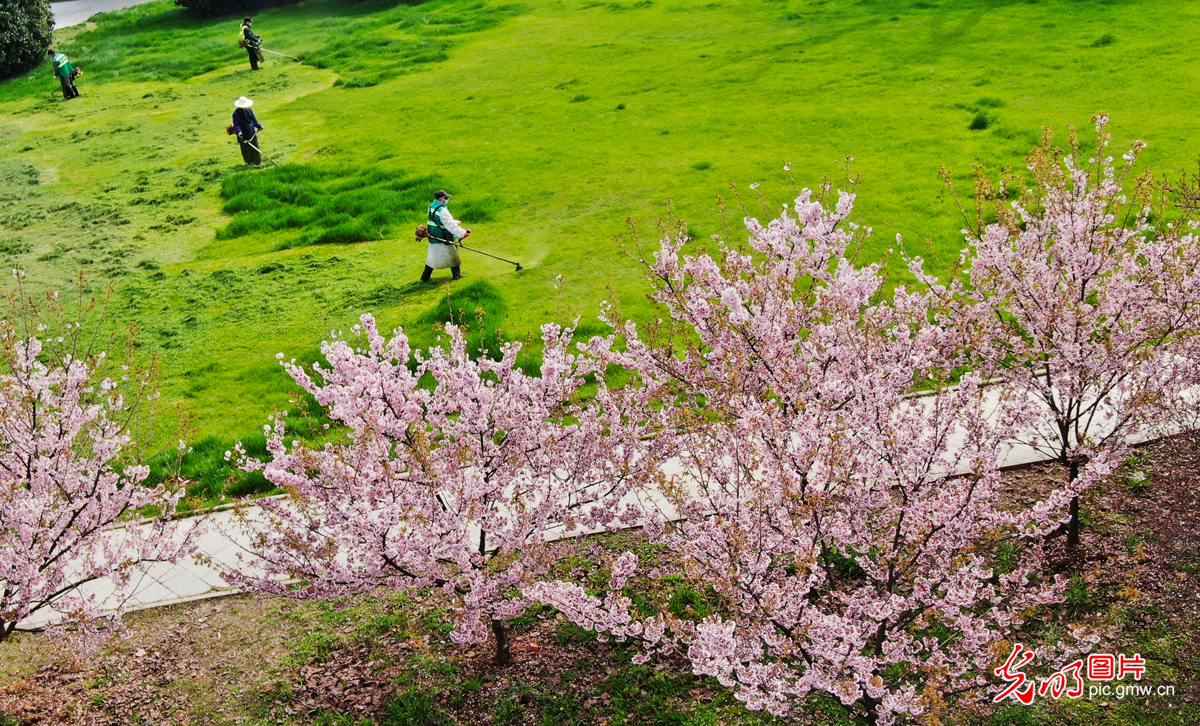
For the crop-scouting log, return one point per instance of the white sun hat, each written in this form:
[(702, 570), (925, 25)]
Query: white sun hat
[(243, 102)]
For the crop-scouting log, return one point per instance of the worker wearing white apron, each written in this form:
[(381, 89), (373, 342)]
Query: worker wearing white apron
[(444, 231)]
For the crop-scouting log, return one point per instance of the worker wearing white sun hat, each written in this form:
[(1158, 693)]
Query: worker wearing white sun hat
[(246, 124)]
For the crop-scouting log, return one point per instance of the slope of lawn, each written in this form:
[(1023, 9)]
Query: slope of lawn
[(552, 123)]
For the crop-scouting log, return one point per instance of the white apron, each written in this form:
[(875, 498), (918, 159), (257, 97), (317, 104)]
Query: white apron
[(442, 257)]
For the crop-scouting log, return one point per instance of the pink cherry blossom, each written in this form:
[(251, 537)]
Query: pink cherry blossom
[(454, 474), (841, 521), (69, 498), (1083, 306)]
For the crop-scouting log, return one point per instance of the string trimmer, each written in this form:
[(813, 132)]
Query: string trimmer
[(423, 234), (485, 254), (281, 54), (252, 146)]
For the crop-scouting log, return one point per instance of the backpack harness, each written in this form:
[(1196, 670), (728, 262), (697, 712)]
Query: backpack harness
[(62, 65), (243, 41), (438, 233)]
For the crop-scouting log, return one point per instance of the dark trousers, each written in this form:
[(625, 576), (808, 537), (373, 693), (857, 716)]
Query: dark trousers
[(456, 271), (68, 87), (251, 155), (256, 57)]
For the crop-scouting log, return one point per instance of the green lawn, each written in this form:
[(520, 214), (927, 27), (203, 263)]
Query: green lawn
[(551, 122)]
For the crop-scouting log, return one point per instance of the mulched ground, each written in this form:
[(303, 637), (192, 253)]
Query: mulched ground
[(1139, 555), (192, 663), (1145, 555)]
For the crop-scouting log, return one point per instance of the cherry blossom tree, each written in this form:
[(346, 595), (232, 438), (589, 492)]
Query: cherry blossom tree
[(69, 496), (1082, 301), (843, 526), (457, 483)]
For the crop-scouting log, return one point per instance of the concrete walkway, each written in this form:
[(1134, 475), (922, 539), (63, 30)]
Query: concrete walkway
[(162, 583), (225, 538), (74, 12)]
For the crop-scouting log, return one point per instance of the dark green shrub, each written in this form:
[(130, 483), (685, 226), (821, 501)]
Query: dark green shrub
[(25, 34), (1103, 40), (687, 603), (981, 121)]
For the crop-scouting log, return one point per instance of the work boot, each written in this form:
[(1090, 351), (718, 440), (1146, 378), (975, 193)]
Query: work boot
[(425, 275), (455, 271)]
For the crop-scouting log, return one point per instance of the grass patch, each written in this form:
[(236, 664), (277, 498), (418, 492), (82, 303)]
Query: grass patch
[(481, 310), (478, 308), (210, 477), (413, 708), (322, 205)]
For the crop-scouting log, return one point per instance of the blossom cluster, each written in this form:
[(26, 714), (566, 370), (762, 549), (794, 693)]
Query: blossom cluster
[(455, 484), (64, 485)]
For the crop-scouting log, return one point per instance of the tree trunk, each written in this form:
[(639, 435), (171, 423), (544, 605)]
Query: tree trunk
[(871, 706), (503, 654), (1073, 527)]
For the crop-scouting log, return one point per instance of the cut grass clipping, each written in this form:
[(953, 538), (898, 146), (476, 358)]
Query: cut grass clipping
[(330, 205)]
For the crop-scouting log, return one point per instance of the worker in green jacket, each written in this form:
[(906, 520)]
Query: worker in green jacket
[(66, 73), (444, 233), (251, 42)]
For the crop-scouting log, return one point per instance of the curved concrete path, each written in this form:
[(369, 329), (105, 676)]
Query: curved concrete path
[(74, 12)]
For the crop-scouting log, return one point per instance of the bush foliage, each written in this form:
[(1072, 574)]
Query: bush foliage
[(25, 33)]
